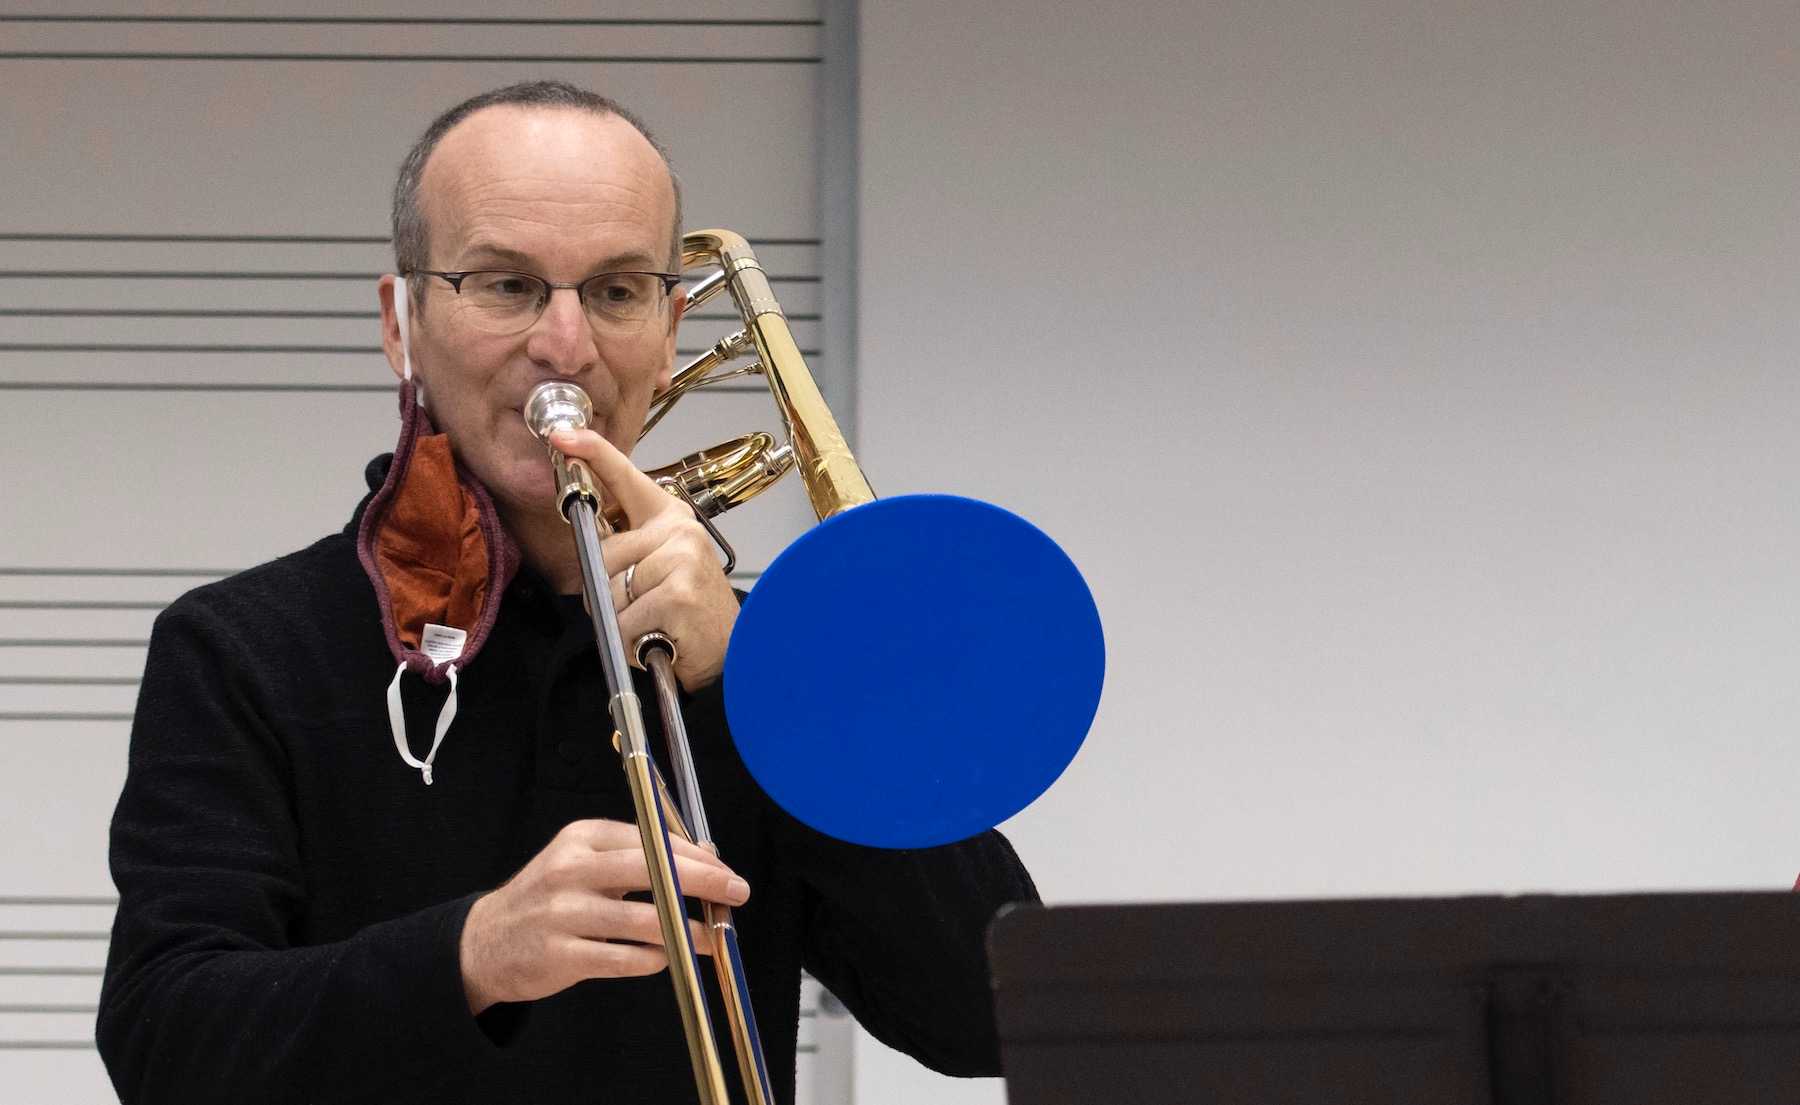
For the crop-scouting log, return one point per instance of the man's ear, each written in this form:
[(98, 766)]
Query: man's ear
[(386, 290), (678, 300)]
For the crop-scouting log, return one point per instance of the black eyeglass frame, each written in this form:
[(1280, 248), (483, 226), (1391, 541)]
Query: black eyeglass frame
[(455, 280)]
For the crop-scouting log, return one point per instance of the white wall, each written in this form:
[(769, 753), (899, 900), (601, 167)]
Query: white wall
[(1412, 380)]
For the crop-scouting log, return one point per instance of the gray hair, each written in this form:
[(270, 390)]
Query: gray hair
[(412, 246)]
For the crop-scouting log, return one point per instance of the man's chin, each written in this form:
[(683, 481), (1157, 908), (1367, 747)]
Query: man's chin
[(527, 487)]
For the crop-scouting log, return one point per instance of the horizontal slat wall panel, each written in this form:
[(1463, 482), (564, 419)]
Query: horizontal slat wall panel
[(104, 335), (175, 290), (100, 584), (52, 940), (69, 372), (61, 990), (244, 369), (785, 43), (216, 146), (61, 782), (45, 1026), (73, 370), (74, 620), (72, 646), (48, 674), (124, 370), (192, 242), (189, 481), (88, 661), (71, 949), (224, 453), (56, 914), (47, 1021), (48, 1004), (364, 257), (47, 699), (249, 314), (437, 11), (64, 1077)]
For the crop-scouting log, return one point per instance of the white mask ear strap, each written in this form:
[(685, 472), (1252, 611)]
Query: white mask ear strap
[(397, 722), (401, 304)]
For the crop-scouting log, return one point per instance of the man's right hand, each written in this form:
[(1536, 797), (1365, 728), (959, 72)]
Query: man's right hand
[(562, 918)]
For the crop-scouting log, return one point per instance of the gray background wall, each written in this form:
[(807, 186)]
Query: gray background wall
[(1414, 383), (1411, 380)]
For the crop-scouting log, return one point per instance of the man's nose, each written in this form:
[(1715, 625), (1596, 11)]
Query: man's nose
[(561, 338)]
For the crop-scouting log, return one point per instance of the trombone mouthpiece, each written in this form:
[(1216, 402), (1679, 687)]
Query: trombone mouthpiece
[(557, 405)]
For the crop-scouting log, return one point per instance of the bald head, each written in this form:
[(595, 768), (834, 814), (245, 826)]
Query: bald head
[(509, 111)]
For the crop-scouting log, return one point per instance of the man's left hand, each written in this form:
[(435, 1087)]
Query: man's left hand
[(677, 584)]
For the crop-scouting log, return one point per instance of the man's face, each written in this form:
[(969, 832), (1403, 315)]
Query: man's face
[(561, 194)]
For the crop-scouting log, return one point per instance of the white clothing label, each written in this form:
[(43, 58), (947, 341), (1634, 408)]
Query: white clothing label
[(441, 642)]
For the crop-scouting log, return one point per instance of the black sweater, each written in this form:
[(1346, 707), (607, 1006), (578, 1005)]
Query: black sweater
[(292, 894)]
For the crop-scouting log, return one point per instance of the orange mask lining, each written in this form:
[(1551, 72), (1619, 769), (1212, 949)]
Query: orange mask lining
[(430, 548)]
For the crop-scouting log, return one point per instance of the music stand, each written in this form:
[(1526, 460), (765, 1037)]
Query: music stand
[(1542, 1000)]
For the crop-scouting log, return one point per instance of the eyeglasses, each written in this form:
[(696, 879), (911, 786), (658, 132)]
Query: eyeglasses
[(500, 301)]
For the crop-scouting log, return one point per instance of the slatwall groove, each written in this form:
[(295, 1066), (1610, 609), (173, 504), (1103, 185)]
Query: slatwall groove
[(365, 316), (432, 10), (125, 347), (154, 573), (731, 388), (123, 293), (367, 20), (135, 572), (72, 642), (109, 901), (101, 312), (54, 661), (161, 573), (359, 277), (268, 239), (126, 571), (454, 59), (52, 385), (207, 239), (618, 42), (48, 1002), (10, 604)]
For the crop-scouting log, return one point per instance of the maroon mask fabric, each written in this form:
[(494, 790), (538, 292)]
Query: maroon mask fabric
[(433, 546)]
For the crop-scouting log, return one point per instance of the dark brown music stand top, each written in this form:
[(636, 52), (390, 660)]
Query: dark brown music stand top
[(1542, 1000)]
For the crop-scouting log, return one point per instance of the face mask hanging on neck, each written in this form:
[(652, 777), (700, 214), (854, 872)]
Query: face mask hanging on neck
[(435, 552)]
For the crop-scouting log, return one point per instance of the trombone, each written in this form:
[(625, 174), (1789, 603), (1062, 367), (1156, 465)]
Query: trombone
[(711, 481)]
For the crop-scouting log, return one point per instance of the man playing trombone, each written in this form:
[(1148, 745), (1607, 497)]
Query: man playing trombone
[(372, 845)]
